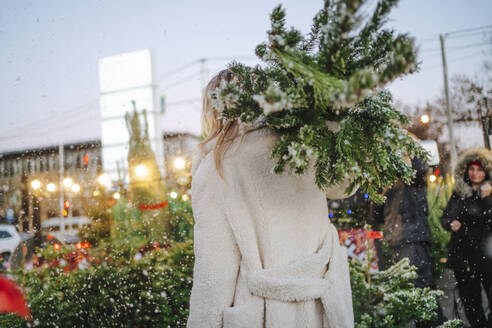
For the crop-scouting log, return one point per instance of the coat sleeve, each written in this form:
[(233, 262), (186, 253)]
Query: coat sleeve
[(338, 301), (451, 212), (486, 207), (216, 264)]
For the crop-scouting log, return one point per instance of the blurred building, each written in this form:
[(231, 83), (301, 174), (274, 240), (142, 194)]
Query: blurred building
[(27, 203), (179, 151), (30, 182)]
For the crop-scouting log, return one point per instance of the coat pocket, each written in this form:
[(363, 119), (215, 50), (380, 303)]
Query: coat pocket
[(237, 317), (249, 315)]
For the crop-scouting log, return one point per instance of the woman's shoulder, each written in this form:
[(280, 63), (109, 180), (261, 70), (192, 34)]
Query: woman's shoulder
[(249, 149), (204, 175), (257, 140), (250, 152)]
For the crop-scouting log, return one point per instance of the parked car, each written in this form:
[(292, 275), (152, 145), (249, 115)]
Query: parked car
[(52, 227), (9, 239), (25, 256)]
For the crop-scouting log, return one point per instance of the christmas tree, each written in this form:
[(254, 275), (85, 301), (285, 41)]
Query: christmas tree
[(389, 298), (323, 94), (147, 190)]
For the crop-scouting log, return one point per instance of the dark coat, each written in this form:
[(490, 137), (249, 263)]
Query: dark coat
[(405, 210), (467, 247)]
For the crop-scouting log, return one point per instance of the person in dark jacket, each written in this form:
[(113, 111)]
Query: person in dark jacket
[(406, 228), (468, 215)]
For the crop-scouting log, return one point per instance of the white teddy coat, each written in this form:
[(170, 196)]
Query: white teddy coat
[(266, 253)]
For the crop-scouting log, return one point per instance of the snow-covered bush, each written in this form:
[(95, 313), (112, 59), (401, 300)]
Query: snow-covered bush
[(149, 291), (389, 298)]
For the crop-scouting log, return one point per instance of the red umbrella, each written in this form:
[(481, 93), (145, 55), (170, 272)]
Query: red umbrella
[(11, 299)]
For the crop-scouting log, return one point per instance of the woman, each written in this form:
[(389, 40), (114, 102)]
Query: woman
[(469, 216), (266, 254)]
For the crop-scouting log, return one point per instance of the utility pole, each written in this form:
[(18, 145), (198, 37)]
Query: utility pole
[(485, 120), (62, 168), (452, 145)]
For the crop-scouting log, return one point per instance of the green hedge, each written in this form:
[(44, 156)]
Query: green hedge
[(149, 292)]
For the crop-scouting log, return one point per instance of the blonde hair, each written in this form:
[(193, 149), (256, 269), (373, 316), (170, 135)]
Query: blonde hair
[(213, 125)]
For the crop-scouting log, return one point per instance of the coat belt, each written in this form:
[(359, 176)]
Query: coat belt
[(301, 280)]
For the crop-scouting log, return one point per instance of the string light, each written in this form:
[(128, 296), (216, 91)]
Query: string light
[(141, 170), (67, 182), (179, 163), (51, 187), (425, 118), (35, 184)]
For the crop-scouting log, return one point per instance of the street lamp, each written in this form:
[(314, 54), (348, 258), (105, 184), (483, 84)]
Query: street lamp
[(51, 187), (35, 184), (173, 194), (104, 179), (179, 163), (425, 118), (67, 182), (76, 188), (116, 195)]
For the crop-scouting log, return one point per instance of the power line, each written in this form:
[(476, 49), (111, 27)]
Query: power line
[(464, 57), (231, 58), (469, 30), (434, 39), (459, 33), (172, 85), (52, 117), (468, 46), (179, 69), (455, 60), (41, 133), (468, 35), (41, 129), (38, 127), (196, 61), (183, 101)]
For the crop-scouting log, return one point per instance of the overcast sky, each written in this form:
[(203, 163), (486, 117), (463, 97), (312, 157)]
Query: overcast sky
[(49, 90)]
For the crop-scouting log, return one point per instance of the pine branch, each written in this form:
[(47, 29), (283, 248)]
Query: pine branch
[(327, 105)]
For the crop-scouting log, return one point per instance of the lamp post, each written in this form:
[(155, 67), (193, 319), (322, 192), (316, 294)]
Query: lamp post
[(61, 164), (35, 185), (424, 118)]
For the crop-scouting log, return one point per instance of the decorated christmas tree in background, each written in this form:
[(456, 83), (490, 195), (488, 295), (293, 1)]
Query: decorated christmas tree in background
[(146, 216), (323, 94)]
